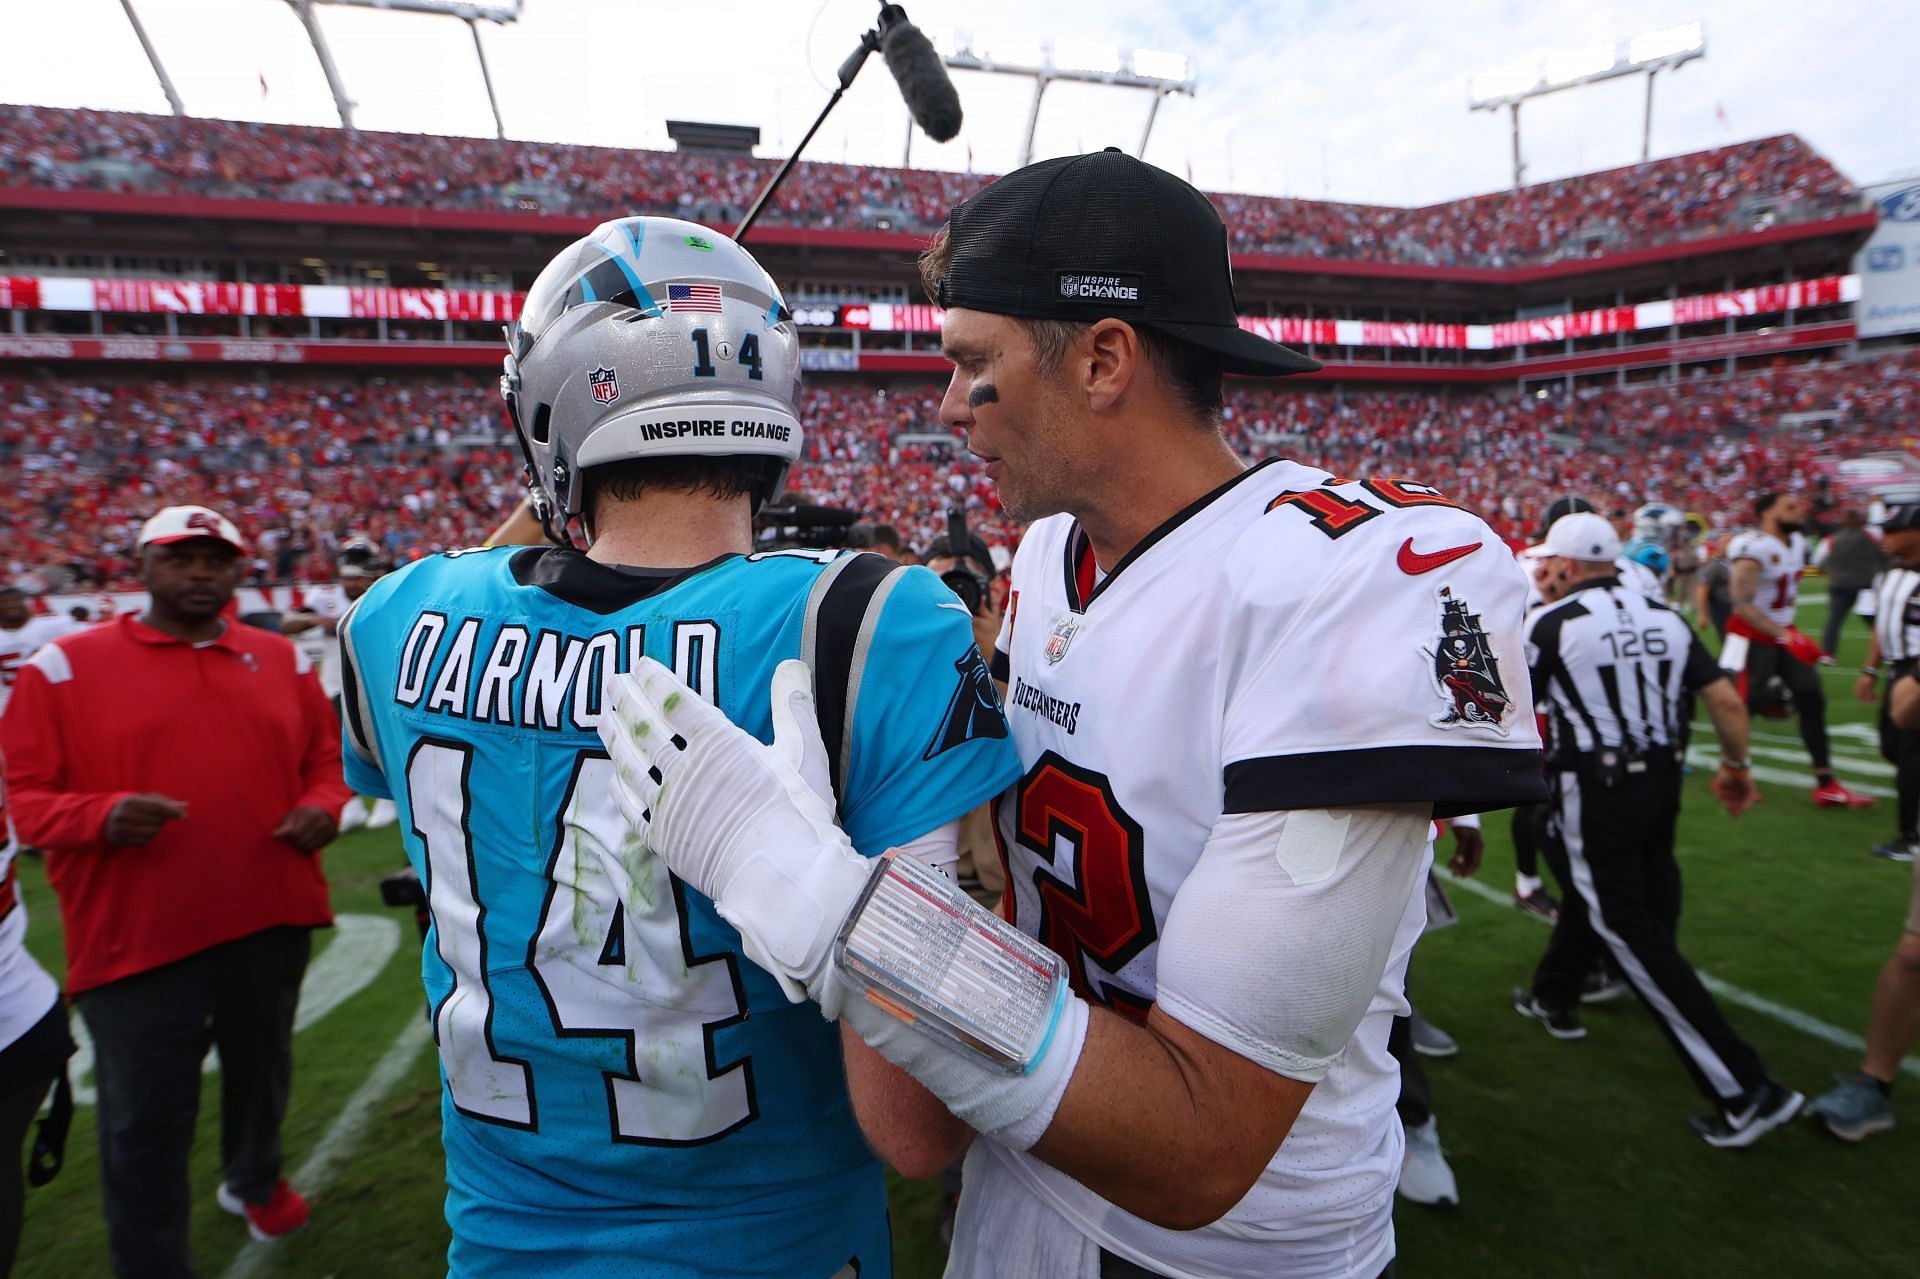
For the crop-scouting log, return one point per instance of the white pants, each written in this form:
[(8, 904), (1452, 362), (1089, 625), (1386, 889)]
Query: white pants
[(1005, 1231)]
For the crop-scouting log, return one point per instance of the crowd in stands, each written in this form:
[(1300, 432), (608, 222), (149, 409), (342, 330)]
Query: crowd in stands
[(1735, 188), (425, 462)]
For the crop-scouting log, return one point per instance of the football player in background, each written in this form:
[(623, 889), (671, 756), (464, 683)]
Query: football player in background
[(1763, 644), (22, 634), (359, 563), (622, 1092), (1239, 695)]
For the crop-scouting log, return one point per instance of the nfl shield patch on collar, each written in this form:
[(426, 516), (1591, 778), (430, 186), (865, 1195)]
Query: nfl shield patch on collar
[(1062, 637)]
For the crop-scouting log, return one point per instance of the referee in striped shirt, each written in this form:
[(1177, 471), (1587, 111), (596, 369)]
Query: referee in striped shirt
[(1614, 673), (1894, 651)]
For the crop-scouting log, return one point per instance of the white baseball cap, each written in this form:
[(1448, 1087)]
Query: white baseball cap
[(1583, 535), (182, 523)]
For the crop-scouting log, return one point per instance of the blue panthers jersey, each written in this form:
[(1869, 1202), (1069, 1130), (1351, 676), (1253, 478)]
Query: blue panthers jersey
[(624, 1093)]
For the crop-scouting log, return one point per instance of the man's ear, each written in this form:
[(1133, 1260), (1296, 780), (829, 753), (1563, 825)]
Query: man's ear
[(1111, 358)]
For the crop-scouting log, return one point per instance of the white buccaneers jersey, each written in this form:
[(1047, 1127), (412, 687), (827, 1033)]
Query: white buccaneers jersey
[(1639, 577), (321, 645), (1781, 563), (17, 646), (26, 991), (1290, 642)]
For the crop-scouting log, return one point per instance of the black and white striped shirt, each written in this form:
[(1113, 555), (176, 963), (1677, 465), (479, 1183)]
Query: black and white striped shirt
[(1896, 614), (1611, 669)]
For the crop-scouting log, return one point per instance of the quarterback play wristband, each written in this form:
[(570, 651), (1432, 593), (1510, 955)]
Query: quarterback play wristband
[(919, 948)]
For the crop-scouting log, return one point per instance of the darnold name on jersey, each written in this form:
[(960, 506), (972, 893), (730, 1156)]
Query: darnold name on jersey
[(542, 680), (1028, 698)]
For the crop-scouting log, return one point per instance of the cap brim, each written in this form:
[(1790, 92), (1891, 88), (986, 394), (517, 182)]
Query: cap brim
[(196, 535), (1240, 351)]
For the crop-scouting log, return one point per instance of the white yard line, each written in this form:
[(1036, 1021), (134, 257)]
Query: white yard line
[(339, 1141), (361, 947), (1733, 994), (1708, 757)]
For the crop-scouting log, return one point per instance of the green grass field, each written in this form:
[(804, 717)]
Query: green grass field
[(1573, 1158)]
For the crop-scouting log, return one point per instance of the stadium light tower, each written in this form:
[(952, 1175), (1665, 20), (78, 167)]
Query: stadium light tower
[(470, 13), (1047, 61), (1647, 54), (153, 58)]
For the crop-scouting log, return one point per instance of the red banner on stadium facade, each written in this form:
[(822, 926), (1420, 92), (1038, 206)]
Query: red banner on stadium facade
[(328, 301), (200, 297), (194, 297)]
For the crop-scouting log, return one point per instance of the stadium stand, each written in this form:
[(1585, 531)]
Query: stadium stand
[(1743, 187), (299, 459)]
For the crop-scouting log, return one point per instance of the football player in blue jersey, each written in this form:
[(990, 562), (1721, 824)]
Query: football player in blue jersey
[(622, 1092)]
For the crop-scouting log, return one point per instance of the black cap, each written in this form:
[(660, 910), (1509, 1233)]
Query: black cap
[(1902, 517), (1085, 237), (977, 551), (1567, 505)]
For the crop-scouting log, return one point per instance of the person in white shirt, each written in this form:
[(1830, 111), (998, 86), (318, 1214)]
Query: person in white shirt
[(1763, 643), (314, 628), (22, 634)]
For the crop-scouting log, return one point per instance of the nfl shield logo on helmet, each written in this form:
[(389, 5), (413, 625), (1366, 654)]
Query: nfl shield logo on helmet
[(605, 384)]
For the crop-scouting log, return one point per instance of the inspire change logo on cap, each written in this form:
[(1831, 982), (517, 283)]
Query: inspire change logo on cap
[(1076, 287)]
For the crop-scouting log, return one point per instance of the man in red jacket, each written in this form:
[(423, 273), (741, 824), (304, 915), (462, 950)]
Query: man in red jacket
[(182, 770)]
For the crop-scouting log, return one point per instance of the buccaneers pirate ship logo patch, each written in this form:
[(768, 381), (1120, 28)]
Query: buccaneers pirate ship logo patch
[(1466, 673)]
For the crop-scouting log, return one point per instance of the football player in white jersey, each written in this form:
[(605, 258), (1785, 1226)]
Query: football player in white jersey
[(22, 634), (1239, 695), (1763, 643), (315, 629)]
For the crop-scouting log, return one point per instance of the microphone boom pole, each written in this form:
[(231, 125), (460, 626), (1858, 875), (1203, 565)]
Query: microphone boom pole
[(916, 68), (869, 44)]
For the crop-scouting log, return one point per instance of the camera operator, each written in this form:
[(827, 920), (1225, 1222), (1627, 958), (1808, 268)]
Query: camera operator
[(969, 571)]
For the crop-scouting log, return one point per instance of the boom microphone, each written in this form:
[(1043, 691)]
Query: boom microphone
[(931, 98), (922, 77)]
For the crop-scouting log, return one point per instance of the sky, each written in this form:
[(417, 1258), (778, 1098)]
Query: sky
[(1355, 100)]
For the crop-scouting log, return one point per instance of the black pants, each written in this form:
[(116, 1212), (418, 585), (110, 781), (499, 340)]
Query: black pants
[(1840, 602), (151, 1032), (1415, 1103), (1901, 748), (1528, 826), (1809, 699), (1619, 848), (28, 1068)]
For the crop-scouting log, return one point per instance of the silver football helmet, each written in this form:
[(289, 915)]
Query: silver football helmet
[(1660, 524), (650, 337)]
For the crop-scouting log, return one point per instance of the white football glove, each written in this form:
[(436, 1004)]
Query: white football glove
[(750, 826)]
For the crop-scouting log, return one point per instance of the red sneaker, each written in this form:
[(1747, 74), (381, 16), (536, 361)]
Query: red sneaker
[(282, 1214), (1834, 795)]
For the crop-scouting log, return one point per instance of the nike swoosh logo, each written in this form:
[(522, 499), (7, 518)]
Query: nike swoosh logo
[(1413, 563), (956, 607)]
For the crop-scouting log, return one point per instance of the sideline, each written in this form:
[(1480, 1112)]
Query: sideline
[(338, 1142), (1793, 1017)]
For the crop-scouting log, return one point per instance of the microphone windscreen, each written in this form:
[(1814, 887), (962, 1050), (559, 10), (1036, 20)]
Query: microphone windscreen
[(923, 80)]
